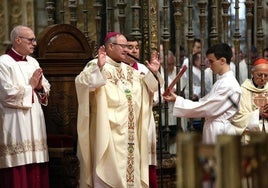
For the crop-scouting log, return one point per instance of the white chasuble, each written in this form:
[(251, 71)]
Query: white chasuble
[(113, 117)]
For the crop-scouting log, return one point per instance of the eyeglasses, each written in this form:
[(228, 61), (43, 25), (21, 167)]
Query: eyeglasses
[(122, 45), (261, 75), (32, 40)]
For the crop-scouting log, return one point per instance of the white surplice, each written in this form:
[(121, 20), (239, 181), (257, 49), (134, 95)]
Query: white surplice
[(23, 131), (114, 113), (152, 127), (215, 107)]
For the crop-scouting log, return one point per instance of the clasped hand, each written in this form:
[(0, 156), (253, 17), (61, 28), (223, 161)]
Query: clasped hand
[(264, 111), (36, 79)]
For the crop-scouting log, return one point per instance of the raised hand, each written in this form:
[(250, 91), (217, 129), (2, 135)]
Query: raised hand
[(154, 63), (101, 56)]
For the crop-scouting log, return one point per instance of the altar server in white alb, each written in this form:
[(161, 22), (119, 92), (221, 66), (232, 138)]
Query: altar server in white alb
[(220, 104), (23, 139)]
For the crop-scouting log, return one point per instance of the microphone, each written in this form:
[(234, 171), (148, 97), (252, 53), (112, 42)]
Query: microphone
[(132, 56)]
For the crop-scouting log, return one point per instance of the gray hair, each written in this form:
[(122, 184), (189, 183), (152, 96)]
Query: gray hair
[(111, 40), (16, 32)]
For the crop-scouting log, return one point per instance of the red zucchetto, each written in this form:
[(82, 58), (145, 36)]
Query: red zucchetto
[(111, 34), (260, 61)]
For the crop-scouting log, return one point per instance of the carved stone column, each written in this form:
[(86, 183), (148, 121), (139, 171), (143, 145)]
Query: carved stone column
[(190, 42), (237, 39), (225, 26), (122, 16), (202, 4), (153, 26), (249, 16), (85, 15), (145, 31), (213, 30), (163, 127), (150, 28), (62, 11), (178, 9), (110, 15), (260, 34), (50, 7), (73, 13), (165, 42), (136, 9), (225, 19), (98, 5)]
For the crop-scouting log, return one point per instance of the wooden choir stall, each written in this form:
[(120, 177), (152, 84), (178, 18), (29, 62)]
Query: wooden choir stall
[(62, 52)]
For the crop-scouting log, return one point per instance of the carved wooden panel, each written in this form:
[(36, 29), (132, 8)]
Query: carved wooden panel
[(62, 109), (62, 53)]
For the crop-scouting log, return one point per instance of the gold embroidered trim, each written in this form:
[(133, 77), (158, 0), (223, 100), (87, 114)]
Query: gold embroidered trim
[(120, 76), (26, 146), (131, 134)]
